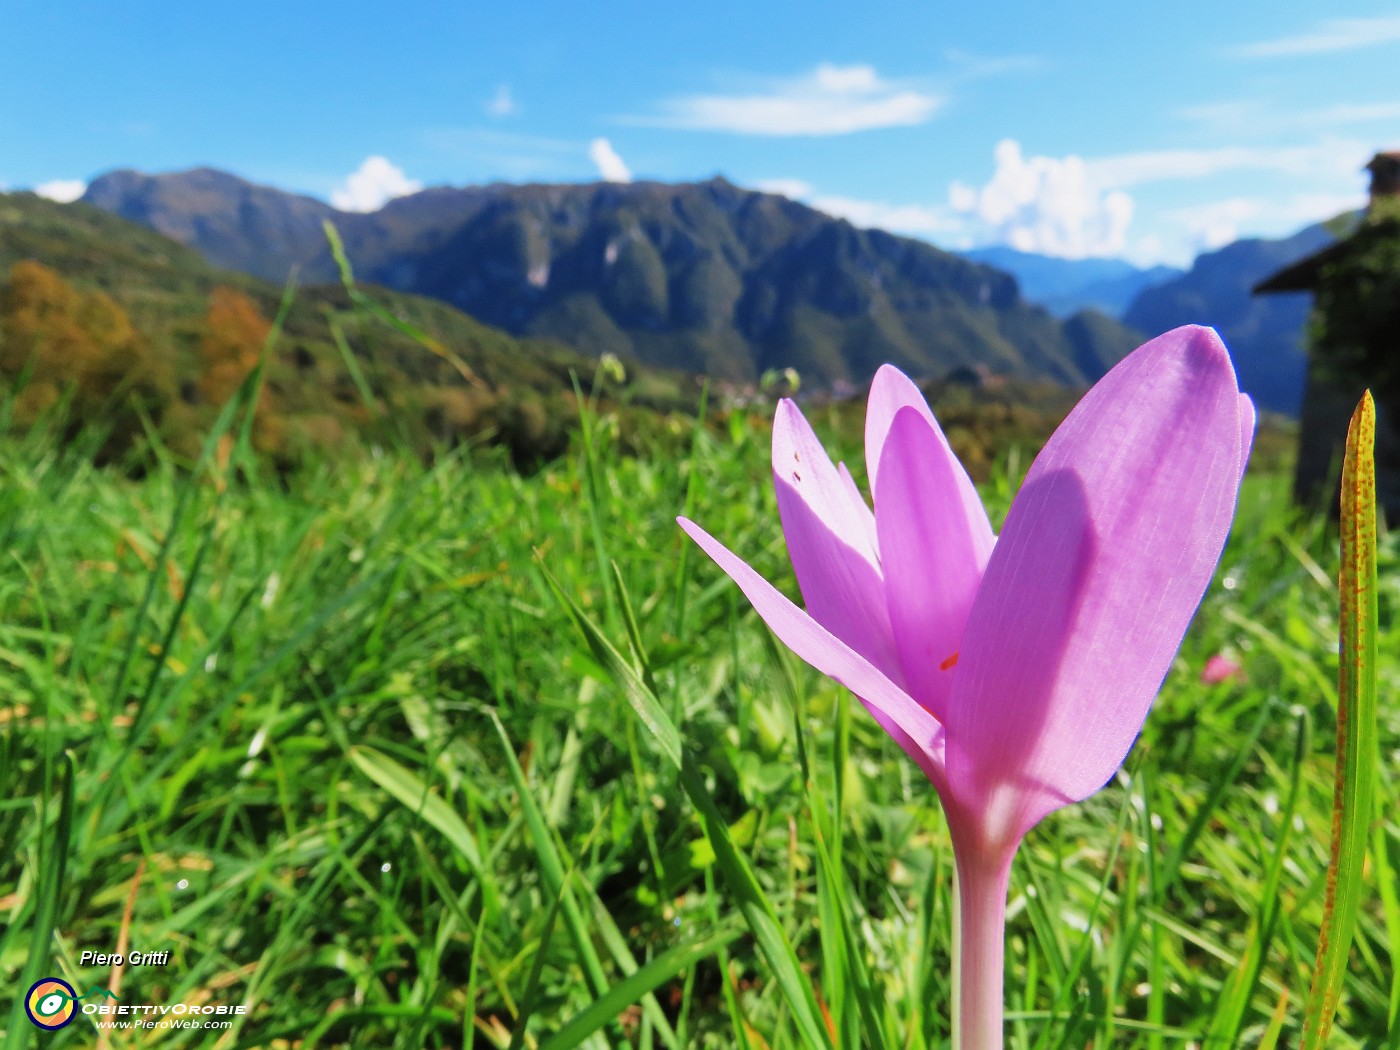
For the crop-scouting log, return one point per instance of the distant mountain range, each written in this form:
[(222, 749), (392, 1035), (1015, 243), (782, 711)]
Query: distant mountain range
[(1067, 286), (1265, 333), (704, 277), (335, 372)]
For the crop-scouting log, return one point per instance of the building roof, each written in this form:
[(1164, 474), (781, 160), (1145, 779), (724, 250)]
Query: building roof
[(1301, 276)]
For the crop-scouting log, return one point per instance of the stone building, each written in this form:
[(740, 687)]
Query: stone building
[(1355, 343)]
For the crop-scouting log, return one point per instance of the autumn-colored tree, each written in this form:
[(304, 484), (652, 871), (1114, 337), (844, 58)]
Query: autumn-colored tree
[(63, 339), (229, 347), (233, 337)]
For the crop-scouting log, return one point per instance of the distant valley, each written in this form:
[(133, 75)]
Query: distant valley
[(1067, 286)]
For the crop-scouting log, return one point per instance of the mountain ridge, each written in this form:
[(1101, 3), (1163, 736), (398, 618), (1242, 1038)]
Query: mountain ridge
[(1266, 334), (1067, 286), (703, 277)]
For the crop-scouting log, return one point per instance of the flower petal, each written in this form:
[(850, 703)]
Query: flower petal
[(1248, 420), (1105, 555), (831, 542), (934, 546), (890, 392), (913, 728), (863, 511)]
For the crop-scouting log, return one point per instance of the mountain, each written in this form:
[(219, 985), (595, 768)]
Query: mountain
[(1066, 286), (335, 370), (1265, 333), (702, 277)]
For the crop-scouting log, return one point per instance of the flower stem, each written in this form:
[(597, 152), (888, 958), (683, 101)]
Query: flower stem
[(979, 946)]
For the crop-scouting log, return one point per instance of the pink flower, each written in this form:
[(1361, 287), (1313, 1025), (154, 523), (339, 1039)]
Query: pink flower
[(1221, 668), (1016, 671)]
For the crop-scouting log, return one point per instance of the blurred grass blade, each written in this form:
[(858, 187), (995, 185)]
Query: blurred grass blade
[(1269, 1040), (52, 862), (532, 986), (642, 699), (664, 967), (1239, 989), (360, 299), (753, 903), (556, 880), (415, 794), (1356, 727)]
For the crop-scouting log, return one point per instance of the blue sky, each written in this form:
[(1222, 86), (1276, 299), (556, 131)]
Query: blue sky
[(1150, 132)]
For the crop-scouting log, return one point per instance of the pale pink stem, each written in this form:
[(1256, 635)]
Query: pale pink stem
[(979, 946)]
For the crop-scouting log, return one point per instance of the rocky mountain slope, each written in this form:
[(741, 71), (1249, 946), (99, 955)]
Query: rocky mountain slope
[(704, 277)]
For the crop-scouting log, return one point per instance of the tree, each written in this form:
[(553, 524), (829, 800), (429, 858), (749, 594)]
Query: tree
[(59, 339), (235, 332), (233, 338)]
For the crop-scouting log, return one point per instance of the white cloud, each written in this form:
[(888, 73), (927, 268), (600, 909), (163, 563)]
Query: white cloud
[(913, 219), (1130, 169), (502, 103), (62, 190), (793, 189), (372, 185), (610, 165), (1237, 118), (1217, 223), (1335, 34), (919, 219), (969, 66), (1357, 113), (490, 152), (1050, 205), (831, 100)]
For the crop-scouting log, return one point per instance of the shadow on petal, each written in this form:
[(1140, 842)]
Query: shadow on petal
[(1023, 621), (841, 589)]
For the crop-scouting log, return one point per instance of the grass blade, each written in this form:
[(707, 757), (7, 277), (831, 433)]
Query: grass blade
[(663, 968), (414, 793), (556, 880), (52, 863), (1356, 727), (753, 903)]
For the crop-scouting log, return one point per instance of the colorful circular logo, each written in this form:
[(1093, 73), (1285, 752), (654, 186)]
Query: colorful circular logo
[(50, 1003)]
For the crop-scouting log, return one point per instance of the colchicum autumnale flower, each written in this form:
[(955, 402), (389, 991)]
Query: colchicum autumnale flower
[(1015, 670)]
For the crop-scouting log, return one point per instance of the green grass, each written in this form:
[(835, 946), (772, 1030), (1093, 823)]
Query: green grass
[(381, 785)]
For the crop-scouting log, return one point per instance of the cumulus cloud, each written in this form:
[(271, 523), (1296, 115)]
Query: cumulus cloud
[(372, 185), (62, 190), (1050, 205), (830, 100), (502, 103), (1332, 35), (610, 165)]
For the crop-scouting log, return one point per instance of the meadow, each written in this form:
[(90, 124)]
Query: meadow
[(360, 748)]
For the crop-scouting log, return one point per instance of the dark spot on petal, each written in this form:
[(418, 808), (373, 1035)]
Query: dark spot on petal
[(796, 476), (949, 664)]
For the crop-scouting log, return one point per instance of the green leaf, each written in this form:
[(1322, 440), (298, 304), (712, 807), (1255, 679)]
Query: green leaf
[(1357, 730)]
